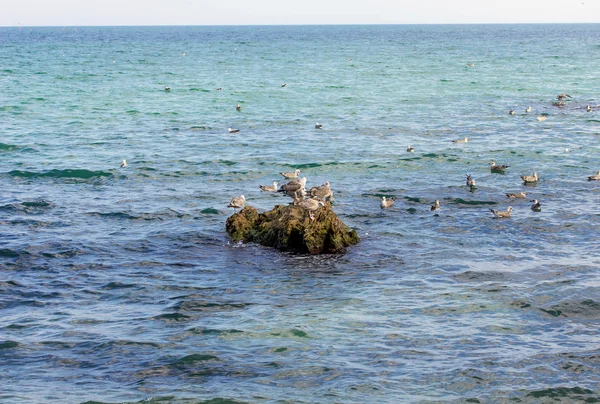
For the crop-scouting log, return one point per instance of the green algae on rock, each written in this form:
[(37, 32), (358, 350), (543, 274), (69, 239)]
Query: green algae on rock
[(289, 228)]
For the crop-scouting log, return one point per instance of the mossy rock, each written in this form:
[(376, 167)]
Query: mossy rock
[(290, 228)]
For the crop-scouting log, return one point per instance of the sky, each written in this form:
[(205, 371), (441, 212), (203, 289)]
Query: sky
[(282, 12)]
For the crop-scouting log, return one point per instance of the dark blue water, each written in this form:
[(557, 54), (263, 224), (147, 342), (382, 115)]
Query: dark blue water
[(121, 285)]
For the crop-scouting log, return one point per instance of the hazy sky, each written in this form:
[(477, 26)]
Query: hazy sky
[(235, 12)]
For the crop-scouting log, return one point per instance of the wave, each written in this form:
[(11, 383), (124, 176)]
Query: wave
[(194, 358), (461, 201), (67, 173), (172, 317), (569, 393), (8, 147), (9, 344), (211, 331), (36, 206), (8, 253), (585, 309), (209, 211), (161, 215), (201, 306), (118, 285), (308, 165)]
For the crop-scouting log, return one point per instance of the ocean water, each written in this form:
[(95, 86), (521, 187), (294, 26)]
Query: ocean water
[(120, 285)]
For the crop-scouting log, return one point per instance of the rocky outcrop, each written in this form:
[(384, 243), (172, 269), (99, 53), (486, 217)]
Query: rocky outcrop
[(290, 228)]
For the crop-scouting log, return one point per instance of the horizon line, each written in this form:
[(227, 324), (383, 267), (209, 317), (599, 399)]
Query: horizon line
[(19, 25)]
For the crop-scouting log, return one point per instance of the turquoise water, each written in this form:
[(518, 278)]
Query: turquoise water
[(120, 284)]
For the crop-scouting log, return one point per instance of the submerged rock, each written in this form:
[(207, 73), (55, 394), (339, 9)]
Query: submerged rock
[(290, 228)]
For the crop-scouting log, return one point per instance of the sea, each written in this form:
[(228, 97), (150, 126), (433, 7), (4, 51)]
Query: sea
[(121, 285)]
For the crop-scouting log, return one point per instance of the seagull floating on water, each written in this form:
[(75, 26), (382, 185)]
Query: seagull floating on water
[(589, 108), (183, 54), (536, 207), (498, 167), (238, 107), (167, 89), (511, 112), (124, 163), (541, 118), (237, 202), (562, 96), (410, 149), (530, 178), (270, 188), (283, 84), (594, 177), (387, 203), (499, 213), (520, 195), (436, 205), (318, 126), (220, 89), (470, 182), (464, 140), (290, 175), (233, 130), (528, 109)]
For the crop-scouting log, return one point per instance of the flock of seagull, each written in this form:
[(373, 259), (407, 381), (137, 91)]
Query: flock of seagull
[(499, 168), (296, 189)]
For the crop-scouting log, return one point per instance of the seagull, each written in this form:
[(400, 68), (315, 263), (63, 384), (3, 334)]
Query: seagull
[(436, 205), (529, 178), (410, 149), (511, 112), (124, 163), (167, 89), (471, 65), (233, 130), (520, 195), (470, 182), (562, 96), (311, 205), (237, 202), (594, 177), (283, 84), (528, 109), (322, 192), (498, 167), (465, 140), (499, 213), (183, 54), (589, 108), (293, 187), (536, 207), (541, 118), (387, 203), (220, 89), (290, 175), (238, 107), (270, 188), (318, 126)]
